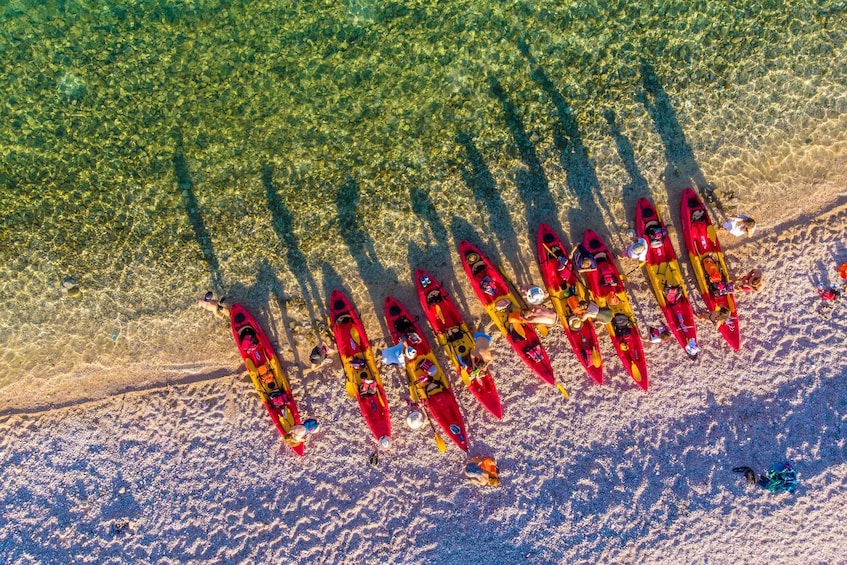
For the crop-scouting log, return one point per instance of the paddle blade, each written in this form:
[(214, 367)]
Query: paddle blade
[(595, 357), (562, 389), (465, 378), (439, 442), (438, 313), (351, 389), (636, 374), (542, 329)]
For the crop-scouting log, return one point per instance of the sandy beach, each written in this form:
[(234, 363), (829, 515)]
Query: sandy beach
[(195, 472), (271, 152)]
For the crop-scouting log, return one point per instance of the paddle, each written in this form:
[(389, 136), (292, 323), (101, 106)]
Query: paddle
[(595, 357), (623, 277), (439, 314), (439, 441)]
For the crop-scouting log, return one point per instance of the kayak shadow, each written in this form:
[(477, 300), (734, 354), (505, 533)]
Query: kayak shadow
[(361, 246), (257, 298), (195, 217), (531, 181), (638, 186), (581, 179), (461, 229), (282, 223), (682, 169), (479, 179), (435, 257)]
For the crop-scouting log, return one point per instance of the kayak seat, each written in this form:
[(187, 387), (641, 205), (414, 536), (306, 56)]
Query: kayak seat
[(432, 387), (368, 386), (344, 319), (710, 266), (655, 234), (455, 334), (434, 297), (672, 294), (621, 325)]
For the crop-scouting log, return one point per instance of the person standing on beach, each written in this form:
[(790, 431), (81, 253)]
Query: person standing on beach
[(482, 471), (637, 249)]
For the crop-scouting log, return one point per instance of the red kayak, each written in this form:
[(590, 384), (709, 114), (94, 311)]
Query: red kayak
[(428, 383), (458, 342), (566, 290), (665, 276), (608, 291), (503, 306), (708, 263), (362, 377), (265, 370)]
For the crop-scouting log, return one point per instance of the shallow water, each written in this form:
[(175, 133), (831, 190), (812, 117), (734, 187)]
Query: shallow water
[(155, 150)]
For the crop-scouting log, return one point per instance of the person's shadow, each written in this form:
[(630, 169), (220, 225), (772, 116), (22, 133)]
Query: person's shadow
[(637, 187), (282, 224), (532, 184), (192, 208), (361, 245), (582, 180), (479, 179)]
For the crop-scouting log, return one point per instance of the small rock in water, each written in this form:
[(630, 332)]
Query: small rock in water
[(71, 86), (70, 287)]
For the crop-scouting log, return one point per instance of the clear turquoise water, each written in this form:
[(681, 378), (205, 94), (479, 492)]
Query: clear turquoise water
[(152, 150)]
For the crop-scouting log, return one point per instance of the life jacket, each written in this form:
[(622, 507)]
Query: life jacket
[(711, 269), (673, 294), (516, 322)]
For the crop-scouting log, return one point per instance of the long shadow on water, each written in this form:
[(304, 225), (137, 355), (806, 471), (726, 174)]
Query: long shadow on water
[(532, 184), (638, 187), (479, 179), (581, 178), (436, 258), (682, 170), (282, 224), (268, 287), (463, 230), (361, 245), (192, 208)]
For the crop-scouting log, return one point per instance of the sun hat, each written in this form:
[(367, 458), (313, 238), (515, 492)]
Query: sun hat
[(299, 432), (535, 296), (311, 425), (639, 247), (415, 419), (384, 443)]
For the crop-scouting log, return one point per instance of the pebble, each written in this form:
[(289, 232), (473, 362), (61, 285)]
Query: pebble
[(70, 287)]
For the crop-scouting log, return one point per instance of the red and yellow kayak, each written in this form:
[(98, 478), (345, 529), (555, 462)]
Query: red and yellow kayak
[(266, 372), (707, 261), (453, 335), (566, 289), (362, 377), (428, 384), (491, 287), (665, 276), (608, 291)]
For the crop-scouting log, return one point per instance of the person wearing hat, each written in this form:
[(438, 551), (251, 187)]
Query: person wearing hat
[(582, 259), (482, 471), (637, 249)]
